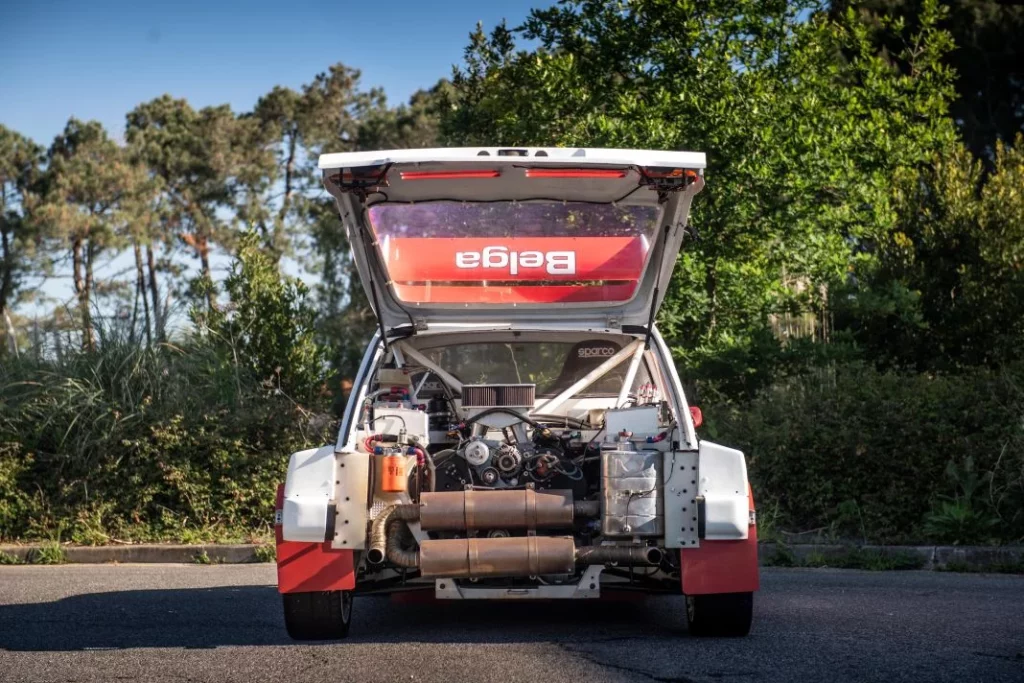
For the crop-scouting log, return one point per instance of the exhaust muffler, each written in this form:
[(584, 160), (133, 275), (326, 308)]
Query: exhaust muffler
[(489, 557), (508, 509), (472, 558), (468, 510)]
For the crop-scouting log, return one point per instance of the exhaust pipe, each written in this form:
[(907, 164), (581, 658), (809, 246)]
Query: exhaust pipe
[(474, 558), (508, 509), (463, 510), (633, 555), (483, 557), (471, 558), (383, 539)]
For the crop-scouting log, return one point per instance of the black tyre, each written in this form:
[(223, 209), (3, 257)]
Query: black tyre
[(324, 615), (720, 614)]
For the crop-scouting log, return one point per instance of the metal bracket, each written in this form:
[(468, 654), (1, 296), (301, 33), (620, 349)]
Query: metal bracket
[(588, 587), (681, 516)]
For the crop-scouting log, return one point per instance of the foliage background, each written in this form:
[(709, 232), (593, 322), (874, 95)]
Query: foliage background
[(850, 311)]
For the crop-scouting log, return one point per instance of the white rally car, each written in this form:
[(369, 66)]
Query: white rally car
[(517, 429)]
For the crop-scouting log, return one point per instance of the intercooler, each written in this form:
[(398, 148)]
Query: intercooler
[(631, 483)]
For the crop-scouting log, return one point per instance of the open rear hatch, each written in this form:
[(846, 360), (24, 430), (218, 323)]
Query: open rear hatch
[(520, 238)]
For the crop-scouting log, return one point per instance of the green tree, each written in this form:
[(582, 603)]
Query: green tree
[(83, 198), (195, 156), (333, 114), (948, 287), (407, 126), (802, 144), (267, 328), (988, 61), (19, 165)]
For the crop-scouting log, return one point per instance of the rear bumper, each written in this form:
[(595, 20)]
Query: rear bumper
[(714, 567)]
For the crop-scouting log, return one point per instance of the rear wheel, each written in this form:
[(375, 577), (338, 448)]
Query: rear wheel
[(720, 614), (323, 615)]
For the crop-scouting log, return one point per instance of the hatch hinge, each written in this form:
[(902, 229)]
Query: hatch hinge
[(419, 324), (360, 180), (613, 323), (403, 332)]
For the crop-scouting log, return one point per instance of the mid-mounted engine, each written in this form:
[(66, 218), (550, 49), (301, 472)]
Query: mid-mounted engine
[(492, 464)]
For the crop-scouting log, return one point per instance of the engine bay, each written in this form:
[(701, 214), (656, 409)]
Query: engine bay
[(560, 475)]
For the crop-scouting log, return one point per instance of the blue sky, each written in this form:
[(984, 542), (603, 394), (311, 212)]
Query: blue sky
[(97, 60)]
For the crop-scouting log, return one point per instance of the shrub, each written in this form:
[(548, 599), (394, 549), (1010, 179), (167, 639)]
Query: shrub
[(133, 444), (866, 454), (180, 441), (50, 552)]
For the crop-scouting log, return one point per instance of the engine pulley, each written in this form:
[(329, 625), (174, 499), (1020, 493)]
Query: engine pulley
[(509, 461)]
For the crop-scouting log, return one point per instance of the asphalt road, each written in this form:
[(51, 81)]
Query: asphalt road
[(223, 623)]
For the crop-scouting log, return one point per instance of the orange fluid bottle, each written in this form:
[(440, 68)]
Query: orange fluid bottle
[(393, 479)]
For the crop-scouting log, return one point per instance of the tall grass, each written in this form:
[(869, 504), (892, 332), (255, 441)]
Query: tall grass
[(130, 443)]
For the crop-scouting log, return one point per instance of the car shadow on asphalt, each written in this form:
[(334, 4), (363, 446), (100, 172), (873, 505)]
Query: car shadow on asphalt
[(252, 615)]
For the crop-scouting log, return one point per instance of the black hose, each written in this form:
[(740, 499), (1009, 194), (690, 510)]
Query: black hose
[(585, 508), (508, 411), (635, 555), (562, 421)]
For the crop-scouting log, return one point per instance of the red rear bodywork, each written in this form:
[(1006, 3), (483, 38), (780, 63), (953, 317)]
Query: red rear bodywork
[(308, 567), (722, 566)]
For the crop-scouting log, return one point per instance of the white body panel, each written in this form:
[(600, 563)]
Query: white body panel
[(723, 485), (307, 494)]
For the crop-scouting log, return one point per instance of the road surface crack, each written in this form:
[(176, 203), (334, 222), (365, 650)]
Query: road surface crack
[(593, 659)]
